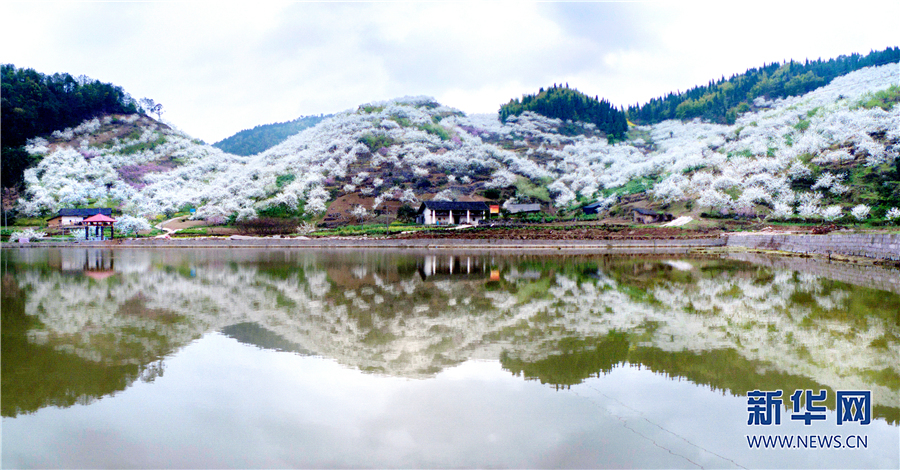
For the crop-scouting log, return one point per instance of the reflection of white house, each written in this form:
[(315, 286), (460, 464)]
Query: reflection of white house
[(446, 267), (452, 212), (70, 217)]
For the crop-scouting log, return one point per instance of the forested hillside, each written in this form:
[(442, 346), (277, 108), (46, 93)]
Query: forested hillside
[(722, 101), (34, 104), (252, 141), (562, 102)]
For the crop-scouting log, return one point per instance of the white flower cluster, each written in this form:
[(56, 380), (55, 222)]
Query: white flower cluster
[(27, 234), (893, 214), (860, 212), (129, 225)]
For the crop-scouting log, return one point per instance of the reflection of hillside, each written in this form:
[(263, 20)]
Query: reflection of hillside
[(36, 374), (721, 369), (559, 319), (253, 334)]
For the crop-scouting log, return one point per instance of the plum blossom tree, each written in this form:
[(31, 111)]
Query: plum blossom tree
[(832, 213), (860, 212), (893, 214), (360, 213), (782, 211), (127, 224)]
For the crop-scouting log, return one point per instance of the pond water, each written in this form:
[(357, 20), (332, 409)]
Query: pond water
[(297, 358)]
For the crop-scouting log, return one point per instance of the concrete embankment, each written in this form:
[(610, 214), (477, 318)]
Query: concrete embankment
[(875, 277), (873, 246), (880, 246), (685, 245)]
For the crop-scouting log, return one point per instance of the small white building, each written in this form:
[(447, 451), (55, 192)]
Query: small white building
[(452, 212)]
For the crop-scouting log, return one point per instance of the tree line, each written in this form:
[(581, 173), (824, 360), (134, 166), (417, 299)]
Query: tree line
[(723, 100), (562, 102), (34, 104)]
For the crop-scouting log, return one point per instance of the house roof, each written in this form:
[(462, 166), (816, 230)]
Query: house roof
[(454, 206), (84, 212), (99, 218), (517, 208), (593, 205), (643, 211)]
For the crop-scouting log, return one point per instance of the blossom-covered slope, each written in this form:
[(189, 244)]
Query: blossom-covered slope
[(800, 156)]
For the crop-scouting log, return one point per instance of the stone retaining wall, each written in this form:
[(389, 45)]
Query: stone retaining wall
[(879, 246), (684, 245), (876, 277)]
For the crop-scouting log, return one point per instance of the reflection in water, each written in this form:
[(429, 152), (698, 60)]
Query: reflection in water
[(71, 337), (405, 359), (450, 266)]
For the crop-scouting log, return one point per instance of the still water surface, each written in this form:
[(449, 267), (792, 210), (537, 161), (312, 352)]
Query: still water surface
[(281, 358)]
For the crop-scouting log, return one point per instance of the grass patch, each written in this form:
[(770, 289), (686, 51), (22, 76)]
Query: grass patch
[(193, 231), (282, 211), (436, 130), (527, 189), (404, 122), (142, 146), (637, 185), (284, 180), (371, 109), (30, 222), (368, 229), (884, 99), (376, 142)]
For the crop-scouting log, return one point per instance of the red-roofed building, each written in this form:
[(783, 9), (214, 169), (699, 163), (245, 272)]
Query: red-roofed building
[(98, 222)]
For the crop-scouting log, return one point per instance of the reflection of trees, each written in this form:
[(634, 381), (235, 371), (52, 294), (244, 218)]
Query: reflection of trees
[(576, 360), (37, 375), (727, 324)]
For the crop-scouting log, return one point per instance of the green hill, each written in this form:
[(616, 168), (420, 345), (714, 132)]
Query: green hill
[(723, 100), (562, 102), (252, 141), (35, 104)]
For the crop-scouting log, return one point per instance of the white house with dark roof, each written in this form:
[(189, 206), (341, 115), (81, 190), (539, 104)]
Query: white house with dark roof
[(70, 217), (452, 212)]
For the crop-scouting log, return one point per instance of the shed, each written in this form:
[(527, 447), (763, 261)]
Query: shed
[(647, 216), (523, 208), (592, 208)]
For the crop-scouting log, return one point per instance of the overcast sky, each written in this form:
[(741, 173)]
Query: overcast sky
[(218, 68)]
